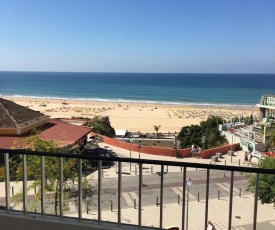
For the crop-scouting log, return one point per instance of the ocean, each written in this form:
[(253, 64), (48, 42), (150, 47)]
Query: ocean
[(165, 88)]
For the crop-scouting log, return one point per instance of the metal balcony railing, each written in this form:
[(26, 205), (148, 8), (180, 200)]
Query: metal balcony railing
[(140, 162)]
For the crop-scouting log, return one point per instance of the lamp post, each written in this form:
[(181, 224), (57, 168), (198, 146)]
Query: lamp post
[(176, 146), (232, 143), (139, 146), (131, 140), (232, 147), (188, 184)]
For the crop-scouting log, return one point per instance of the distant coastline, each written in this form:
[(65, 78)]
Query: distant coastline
[(148, 88), (125, 101)]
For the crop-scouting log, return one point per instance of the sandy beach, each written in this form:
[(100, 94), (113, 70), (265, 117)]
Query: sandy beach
[(134, 116)]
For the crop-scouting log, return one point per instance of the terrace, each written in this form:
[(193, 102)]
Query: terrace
[(142, 215)]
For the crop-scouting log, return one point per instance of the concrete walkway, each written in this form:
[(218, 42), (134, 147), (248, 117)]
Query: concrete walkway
[(242, 216), (237, 160)]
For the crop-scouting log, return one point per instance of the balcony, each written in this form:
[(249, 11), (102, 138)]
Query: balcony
[(143, 194)]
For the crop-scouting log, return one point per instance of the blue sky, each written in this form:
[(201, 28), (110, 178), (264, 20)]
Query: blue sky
[(182, 36)]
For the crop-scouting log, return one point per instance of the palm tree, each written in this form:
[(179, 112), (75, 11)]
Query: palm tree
[(157, 127)]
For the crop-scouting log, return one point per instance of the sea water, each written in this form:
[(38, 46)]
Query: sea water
[(166, 88)]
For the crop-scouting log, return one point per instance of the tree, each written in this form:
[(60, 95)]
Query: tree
[(214, 138), (102, 126), (211, 122), (266, 183), (190, 135), (269, 139), (157, 127), (70, 173)]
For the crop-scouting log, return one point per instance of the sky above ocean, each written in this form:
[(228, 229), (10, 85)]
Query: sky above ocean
[(138, 36)]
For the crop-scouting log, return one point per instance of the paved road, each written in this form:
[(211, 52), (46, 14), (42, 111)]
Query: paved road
[(172, 188)]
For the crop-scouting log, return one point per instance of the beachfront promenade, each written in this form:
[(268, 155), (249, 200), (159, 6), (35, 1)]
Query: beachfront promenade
[(218, 208)]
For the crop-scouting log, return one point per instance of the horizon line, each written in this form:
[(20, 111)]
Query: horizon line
[(122, 72)]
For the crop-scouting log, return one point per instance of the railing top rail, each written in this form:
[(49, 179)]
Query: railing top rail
[(143, 161)]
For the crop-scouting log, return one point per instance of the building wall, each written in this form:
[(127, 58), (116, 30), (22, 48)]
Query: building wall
[(32, 126), (8, 131), (17, 131)]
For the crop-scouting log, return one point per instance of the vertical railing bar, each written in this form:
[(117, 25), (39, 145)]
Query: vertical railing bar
[(161, 198), (231, 200), (206, 199), (187, 205), (25, 202), (61, 179), (256, 201), (140, 196), (119, 193), (7, 181), (79, 189), (42, 167), (99, 191), (183, 198)]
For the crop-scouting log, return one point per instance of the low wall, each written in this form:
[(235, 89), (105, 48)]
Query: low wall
[(144, 149), (223, 149), (182, 153)]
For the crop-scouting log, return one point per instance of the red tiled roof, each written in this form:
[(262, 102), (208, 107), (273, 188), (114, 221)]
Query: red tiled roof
[(8, 142), (62, 133)]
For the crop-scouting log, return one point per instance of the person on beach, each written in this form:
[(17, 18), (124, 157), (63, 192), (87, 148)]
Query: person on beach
[(245, 157)]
